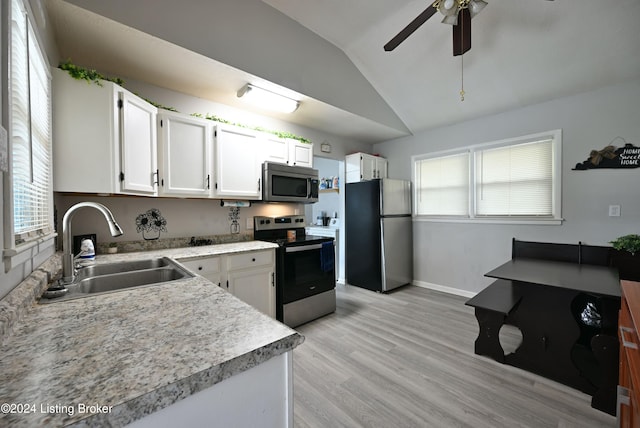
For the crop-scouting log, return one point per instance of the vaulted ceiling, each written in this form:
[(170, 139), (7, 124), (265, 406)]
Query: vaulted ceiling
[(330, 52)]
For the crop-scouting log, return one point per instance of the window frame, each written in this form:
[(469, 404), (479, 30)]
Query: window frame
[(556, 190), (15, 254)]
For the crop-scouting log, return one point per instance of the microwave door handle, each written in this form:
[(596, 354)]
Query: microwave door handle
[(308, 188)]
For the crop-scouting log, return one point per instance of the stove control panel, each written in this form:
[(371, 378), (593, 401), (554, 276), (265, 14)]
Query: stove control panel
[(274, 223)]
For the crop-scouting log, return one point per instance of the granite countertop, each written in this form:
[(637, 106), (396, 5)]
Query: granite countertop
[(132, 352)]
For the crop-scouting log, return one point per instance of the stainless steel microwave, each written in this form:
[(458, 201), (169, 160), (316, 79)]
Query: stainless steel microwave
[(284, 183)]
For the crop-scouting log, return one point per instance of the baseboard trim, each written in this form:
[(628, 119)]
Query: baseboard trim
[(444, 289)]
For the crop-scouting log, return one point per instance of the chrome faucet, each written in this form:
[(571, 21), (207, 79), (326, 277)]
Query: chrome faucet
[(68, 268)]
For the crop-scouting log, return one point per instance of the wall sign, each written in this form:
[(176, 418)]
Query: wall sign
[(612, 157)]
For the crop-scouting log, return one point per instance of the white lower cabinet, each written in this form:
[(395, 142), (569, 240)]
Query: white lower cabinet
[(250, 276), (207, 267), (259, 397)]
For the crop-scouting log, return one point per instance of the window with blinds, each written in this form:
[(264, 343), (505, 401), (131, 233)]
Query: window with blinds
[(515, 180), (443, 185), (30, 130), (509, 180)]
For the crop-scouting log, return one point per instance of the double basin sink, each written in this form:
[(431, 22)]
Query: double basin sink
[(118, 276)]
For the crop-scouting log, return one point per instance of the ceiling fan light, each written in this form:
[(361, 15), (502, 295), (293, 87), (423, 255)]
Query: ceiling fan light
[(451, 19), (448, 7), (476, 6)]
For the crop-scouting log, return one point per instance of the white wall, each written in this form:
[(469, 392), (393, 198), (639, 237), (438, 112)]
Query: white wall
[(457, 255)]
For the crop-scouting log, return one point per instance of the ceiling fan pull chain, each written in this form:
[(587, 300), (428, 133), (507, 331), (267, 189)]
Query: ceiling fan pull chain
[(462, 69), (462, 77)]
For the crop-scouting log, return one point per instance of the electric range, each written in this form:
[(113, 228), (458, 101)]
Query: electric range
[(305, 269)]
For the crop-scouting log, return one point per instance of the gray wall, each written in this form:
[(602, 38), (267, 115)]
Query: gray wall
[(455, 256)]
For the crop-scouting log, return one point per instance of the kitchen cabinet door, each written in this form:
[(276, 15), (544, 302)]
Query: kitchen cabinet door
[(255, 287), (380, 167), (185, 155), (274, 149), (207, 267), (300, 154), (251, 278), (237, 168), (138, 145), (104, 138), (363, 167)]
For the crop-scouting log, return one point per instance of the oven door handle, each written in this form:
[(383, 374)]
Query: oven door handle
[(302, 248)]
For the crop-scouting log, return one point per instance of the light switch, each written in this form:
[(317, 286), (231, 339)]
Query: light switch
[(614, 210)]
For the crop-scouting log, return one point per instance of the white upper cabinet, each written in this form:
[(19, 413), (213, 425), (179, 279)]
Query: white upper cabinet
[(363, 166), (300, 154), (138, 146), (104, 138), (237, 163), (274, 149), (185, 155), (286, 151)]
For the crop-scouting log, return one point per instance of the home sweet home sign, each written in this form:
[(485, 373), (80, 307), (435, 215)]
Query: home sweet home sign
[(612, 157)]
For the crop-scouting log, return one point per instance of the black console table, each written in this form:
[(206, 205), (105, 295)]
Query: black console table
[(546, 300)]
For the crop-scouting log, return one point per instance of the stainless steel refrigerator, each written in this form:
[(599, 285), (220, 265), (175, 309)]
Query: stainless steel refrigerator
[(378, 234)]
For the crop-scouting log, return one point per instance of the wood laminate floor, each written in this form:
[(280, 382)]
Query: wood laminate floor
[(405, 359)]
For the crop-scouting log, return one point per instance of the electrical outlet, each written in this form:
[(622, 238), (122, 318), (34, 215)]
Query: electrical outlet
[(614, 210), (250, 223)]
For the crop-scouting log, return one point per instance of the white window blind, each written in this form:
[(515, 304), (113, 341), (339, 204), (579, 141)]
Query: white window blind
[(30, 107), (515, 180), (443, 185)]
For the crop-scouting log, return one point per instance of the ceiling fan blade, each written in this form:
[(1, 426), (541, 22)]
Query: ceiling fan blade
[(462, 33), (409, 29)]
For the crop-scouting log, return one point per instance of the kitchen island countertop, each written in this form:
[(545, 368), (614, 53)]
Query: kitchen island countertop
[(133, 352)]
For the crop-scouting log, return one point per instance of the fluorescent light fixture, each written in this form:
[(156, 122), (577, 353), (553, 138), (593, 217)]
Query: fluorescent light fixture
[(267, 100)]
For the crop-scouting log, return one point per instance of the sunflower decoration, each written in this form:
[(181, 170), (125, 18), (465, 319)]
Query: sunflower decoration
[(151, 224)]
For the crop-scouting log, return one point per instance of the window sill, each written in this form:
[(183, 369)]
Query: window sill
[(21, 254), (495, 220)]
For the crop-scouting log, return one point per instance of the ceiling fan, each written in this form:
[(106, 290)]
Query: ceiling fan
[(457, 13)]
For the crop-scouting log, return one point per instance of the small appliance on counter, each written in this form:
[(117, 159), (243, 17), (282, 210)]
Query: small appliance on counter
[(305, 269)]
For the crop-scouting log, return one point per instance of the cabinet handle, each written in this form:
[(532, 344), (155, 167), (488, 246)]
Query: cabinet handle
[(253, 259), (157, 180), (199, 267), (258, 184), (208, 181), (227, 283), (622, 399), (626, 343)]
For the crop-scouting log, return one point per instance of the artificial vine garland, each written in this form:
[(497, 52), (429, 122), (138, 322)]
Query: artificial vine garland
[(92, 76)]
